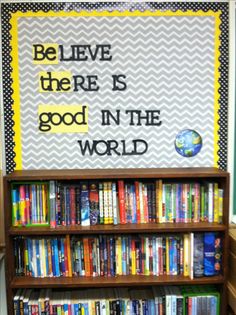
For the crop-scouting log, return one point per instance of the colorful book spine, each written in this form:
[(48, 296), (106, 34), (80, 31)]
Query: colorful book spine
[(114, 204), (85, 207), (52, 199), (94, 202), (101, 204), (121, 196), (210, 202)]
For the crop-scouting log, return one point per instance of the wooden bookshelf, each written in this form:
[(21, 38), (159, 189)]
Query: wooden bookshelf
[(181, 174)]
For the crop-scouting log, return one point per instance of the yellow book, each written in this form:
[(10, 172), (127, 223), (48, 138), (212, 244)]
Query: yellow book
[(221, 205), (44, 250), (186, 254), (167, 256), (216, 203), (22, 205), (105, 203), (146, 248), (118, 256), (133, 258), (26, 258), (110, 208)]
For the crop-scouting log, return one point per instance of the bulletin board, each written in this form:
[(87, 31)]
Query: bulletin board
[(115, 85)]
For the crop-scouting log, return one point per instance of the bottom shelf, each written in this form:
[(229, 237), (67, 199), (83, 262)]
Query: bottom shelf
[(119, 281)]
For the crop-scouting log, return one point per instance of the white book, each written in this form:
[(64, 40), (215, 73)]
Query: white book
[(210, 202)]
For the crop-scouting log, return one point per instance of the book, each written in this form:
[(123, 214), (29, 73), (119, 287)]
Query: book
[(209, 253), (85, 207)]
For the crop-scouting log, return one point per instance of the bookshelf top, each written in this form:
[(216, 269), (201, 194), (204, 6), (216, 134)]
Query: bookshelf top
[(66, 174)]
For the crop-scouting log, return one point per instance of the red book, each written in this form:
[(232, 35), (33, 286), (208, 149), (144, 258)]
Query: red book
[(121, 195), (145, 204), (136, 184), (160, 254)]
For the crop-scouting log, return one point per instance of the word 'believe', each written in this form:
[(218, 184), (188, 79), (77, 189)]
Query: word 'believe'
[(53, 53)]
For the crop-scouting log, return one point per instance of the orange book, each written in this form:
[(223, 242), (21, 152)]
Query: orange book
[(90, 247), (69, 262), (86, 256)]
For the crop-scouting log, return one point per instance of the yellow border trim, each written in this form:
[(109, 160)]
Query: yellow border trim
[(217, 87), (15, 64)]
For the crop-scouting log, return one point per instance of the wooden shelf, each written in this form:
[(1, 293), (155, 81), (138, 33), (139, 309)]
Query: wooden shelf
[(170, 174), (116, 229), (83, 282), (193, 173)]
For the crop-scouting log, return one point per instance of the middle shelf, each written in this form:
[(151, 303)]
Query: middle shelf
[(129, 280), (120, 228)]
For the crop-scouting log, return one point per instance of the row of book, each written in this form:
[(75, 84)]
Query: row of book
[(166, 300), (109, 202), (30, 204), (193, 255)]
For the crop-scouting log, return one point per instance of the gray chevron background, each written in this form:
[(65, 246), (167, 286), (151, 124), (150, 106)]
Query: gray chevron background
[(169, 65)]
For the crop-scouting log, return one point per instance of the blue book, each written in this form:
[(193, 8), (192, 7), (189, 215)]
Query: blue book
[(171, 255), (213, 303), (209, 253), (29, 248), (76, 309), (123, 248), (39, 271), (53, 258), (67, 206), (34, 204), (134, 208), (175, 257), (56, 257), (84, 202), (112, 245)]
